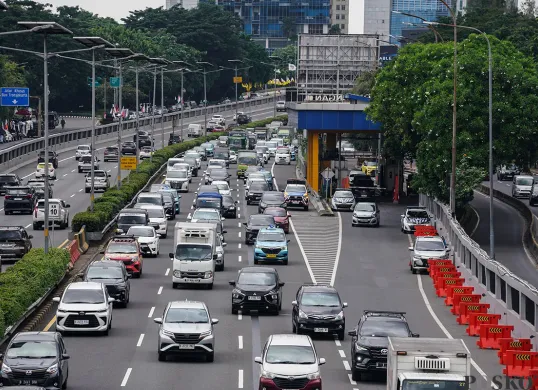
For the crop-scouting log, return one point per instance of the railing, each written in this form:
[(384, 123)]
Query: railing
[(506, 292), (21, 152)]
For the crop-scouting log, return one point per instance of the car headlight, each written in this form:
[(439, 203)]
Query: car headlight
[(417, 260), (267, 374), (250, 194), (360, 348), (208, 275), (206, 333), (314, 375), (177, 273), (302, 315), (5, 369), (134, 258), (237, 294), (340, 316), (52, 369)]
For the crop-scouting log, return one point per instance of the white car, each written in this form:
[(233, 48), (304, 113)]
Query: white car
[(233, 157), (216, 163), (40, 171), (236, 115), (425, 248), (283, 156), (219, 263), (84, 307), (177, 179), (289, 359), (146, 235), (223, 186), (157, 216), (145, 152), (82, 150), (218, 119), (257, 178), (204, 214), (196, 156), (85, 163), (58, 214), (280, 106), (414, 216), (183, 167), (100, 181), (271, 145)]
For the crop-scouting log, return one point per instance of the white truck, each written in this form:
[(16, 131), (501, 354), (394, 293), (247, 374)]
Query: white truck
[(427, 363), (194, 130), (195, 254)]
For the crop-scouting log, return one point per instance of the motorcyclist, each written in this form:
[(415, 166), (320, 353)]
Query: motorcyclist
[(62, 122)]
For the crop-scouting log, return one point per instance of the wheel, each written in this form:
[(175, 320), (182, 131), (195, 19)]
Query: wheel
[(413, 271), (356, 376), (79, 171), (341, 335), (246, 242), (305, 208), (248, 203), (35, 226), (165, 235), (210, 357), (234, 311), (64, 385), (256, 261), (293, 328), (210, 286), (105, 332), (175, 285), (162, 357), (7, 212), (285, 262)]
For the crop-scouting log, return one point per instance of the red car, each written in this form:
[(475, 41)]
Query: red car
[(282, 218)]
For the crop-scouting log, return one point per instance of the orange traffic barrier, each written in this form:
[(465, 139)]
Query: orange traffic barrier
[(533, 376), (520, 363), (465, 298), (490, 335), (443, 283), (439, 275), (512, 345), (345, 182), (440, 266), (423, 230), (451, 290), (467, 308), (476, 320), (72, 247)]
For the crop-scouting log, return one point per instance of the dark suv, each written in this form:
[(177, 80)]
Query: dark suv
[(174, 139), (144, 140), (257, 289), (39, 188), (35, 359), (53, 158), (255, 192), (128, 148), (370, 340), (114, 275), (242, 119), (9, 180), (20, 199), (318, 309), (254, 224), (14, 242)]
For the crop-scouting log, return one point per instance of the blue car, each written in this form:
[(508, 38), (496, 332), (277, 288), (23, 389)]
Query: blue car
[(167, 188), (292, 154), (271, 245)]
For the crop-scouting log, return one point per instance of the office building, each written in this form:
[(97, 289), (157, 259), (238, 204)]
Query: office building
[(273, 23), (187, 4), (340, 14), (370, 17)]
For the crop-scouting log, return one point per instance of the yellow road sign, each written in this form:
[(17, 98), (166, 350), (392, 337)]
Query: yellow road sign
[(238, 80), (128, 163)]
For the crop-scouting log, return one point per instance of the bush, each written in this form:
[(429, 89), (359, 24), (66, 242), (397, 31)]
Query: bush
[(28, 280)]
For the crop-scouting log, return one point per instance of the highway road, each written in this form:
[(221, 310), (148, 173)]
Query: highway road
[(368, 266), (69, 185)]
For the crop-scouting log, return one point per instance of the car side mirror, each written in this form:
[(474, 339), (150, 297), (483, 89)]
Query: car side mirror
[(129, 276), (231, 282), (223, 219), (224, 231), (402, 215), (158, 320), (344, 305), (411, 248), (258, 360), (111, 300), (321, 361), (415, 335), (80, 275), (215, 257), (224, 244), (294, 303), (56, 299), (65, 356), (281, 284), (214, 321), (67, 205), (30, 236), (288, 241), (352, 333), (102, 251)]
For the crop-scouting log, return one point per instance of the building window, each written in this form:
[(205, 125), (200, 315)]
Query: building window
[(343, 16), (343, 7), (337, 16), (342, 26), (338, 7)]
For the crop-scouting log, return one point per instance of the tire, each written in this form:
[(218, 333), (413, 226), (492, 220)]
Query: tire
[(210, 286), (162, 357), (35, 226), (210, 357), (256, 261), (64, 385), (341, 335), (175, 285), (356, 376), (413, 271), (79, 171), (234, 311), (293, 328), (305, 208), (165, 235), (285, 262)]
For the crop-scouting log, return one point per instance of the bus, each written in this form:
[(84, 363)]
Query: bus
[(285, 134), (245, 159), (237, 142)]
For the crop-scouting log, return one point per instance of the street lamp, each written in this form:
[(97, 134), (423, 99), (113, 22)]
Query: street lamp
[(184, 68), (162, 62), (138, 57), (119, 54), (93, 43), (162, 100), (205, 64), (274, 82), (235, 62)]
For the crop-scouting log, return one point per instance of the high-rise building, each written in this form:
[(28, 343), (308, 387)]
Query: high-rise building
[(340, 14), (370, 17), (273, 23), (187, 4)]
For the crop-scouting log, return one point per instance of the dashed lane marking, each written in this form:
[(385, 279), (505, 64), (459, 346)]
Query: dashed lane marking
[(151, 312), (239, 234), (239, 316), (167, 272), (342, 353), (73, 170), (80, 190), (140, 339), (27, 226), (126, 377), (346, 365), (239, 246), (238, 215), (240, 341), (353, 383), (72, 195), (238, 224), (240, 380), (160, 290), (65, 174), (239, 258)]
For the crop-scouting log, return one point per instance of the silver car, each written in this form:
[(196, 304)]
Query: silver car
[(366, 213), (186, 328), (425, 248), (521, 186), (219, 263)]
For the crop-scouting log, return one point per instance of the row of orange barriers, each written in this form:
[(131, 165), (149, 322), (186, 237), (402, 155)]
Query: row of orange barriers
[(78, 245), (514, 354)]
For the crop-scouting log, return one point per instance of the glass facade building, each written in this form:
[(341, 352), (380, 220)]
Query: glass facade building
[(272, 22)]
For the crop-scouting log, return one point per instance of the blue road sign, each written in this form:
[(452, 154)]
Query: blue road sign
[(15, 97)]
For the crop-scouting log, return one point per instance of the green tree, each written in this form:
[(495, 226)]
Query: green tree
[(364, 83), (288, 55), (289, 27), (11, 74), (413, 103), (335, 29)]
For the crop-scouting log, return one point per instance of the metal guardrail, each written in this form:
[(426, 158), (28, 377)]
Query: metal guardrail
[(20, 152), (508, 292)]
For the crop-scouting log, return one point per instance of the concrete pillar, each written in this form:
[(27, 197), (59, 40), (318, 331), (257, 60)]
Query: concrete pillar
[(312, 157)]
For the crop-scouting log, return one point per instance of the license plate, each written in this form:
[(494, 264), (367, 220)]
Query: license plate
[(295, 201), (381, 365), (191, 280), (321, 330), (18, 198), (82, 322), (271, 256), (27, 382), (186, 346), (254, 298)]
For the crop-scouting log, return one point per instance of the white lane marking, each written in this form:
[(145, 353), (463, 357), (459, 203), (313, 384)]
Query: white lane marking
[(80, 190), (238, 208), (140, 339), (72, 195), (353, 383), (440, 324), (126, 377), (108, 171), (238, 224), (160, 290), (192, 207), (240, 380), (240, 258), (24, 177), (239, 234), (342, 353), (65, 174), (115, 167), (2, 209), (337, 342), (239, 316), (239, 246), (339, 248), (167, 272), (238, 215), (346, 365), (494, 386), (151, 312), (27, 226), (73, 170), (240, 341)]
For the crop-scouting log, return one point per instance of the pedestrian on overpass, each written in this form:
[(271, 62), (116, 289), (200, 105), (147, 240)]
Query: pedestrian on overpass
[(62, 122)]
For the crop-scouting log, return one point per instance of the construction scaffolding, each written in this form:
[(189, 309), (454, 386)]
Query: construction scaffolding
[(329, 64)]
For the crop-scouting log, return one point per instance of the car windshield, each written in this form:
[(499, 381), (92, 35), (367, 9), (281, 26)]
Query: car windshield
[(258, 186), (365, 207), (370, 163), (83, 296), (37, 184), (98, 174), (271, 237), (262, 149), (276, 212), (32, 349), (155, 213), (228, 200), (343, 194), (100, 272), (141, 231), (271, 145), (8, 179), (283, 151), (17, 191), (186, 315), (524, 181), (429, 245), (86, 159), (9, 235), (273, 197), (157, 200), (322, 299), (205, 214), (417, 214), (182, 174), (132, 219), (266, 220), (218, 173), (223, 186), (257, 278), (111, 149), (122, 247), (290, 354), (384, 328), (83, 147), (296, 188), (193, 252)]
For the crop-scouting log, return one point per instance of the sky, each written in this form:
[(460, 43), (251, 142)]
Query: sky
[(116, 9)]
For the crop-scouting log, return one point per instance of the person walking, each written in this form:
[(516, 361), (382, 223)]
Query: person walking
[(62, 122)]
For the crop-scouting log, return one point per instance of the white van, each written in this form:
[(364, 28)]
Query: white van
[(195, 254), (194, 130)]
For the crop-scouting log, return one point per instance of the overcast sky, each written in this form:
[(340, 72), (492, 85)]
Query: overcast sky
[(116, 9)]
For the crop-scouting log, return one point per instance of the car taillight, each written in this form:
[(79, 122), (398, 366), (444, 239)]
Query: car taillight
[(8, 197), (29, 196), (35, 212)]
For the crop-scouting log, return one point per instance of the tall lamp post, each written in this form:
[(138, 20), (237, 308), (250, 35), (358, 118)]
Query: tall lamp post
[(93, 43), (158, 62), (162, 99), (182, 70), (235, 62), (138, 57), (274, 84), (204, 64)]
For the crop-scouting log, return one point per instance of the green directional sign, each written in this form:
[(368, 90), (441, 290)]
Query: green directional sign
[(97, 81), (115, 82)]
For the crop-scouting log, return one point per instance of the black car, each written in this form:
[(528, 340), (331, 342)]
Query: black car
[(255, 192), (111, 153), (19, 199), (174, 139), (192, 162), (318, 309), (272, 199), (9, 180), (370, 340), (254, 224), (113, 275), (144, 140), (222, 155), (39, 188), (257, 289), (128, 148), (141, 133), (14, 242), (35, 359), (230, 206), (242, 119), (53, 158), (169, 205)]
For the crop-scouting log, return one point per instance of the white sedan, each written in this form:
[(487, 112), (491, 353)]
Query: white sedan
[(223, 186), (146, 152), (146, 235), (236, 115), (40, 171), (219, 119)]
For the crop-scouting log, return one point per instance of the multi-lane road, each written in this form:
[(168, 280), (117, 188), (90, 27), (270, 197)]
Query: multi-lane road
[(368, 266)]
